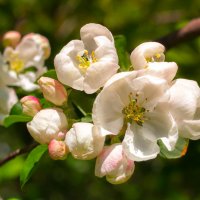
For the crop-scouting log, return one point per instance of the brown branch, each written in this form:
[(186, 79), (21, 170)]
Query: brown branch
[(17, 152), (188, 32)]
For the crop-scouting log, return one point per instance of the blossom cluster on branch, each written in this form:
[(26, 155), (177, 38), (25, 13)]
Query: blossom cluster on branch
[(136, 115)]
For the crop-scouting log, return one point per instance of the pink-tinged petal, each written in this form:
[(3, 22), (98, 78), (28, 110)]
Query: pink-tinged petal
[(138, 148), (113, 163)]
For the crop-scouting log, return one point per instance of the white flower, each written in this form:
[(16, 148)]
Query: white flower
[(114, 164), (88, 63), (8, 98), (17, 61), (185, 107), (47, 125), (147, 52), (140, 105), (85, 141)]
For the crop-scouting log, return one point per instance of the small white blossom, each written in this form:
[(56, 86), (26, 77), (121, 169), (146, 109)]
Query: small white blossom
[(47, 125), (85, 141), (185, 107), (139, 103), (88, 63), (145, 53), (114, 164), (16, 62), (8, 98)]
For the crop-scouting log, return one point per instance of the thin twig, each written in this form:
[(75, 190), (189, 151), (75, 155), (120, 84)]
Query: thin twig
[(188, 32), (17, 152)]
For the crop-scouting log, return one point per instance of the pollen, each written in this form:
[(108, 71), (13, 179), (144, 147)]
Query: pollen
[(17, 65), (134, 112), (158, 57), (86, 60)]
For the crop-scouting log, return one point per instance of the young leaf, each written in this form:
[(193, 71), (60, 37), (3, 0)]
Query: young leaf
[(179, 151), (16, 109), (12, 119), (124, 60), (51, 73), (31, 162)]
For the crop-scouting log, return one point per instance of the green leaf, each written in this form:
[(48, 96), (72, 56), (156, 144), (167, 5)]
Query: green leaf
[(29, 69), (31, 162), (16, 109), (179, 151), (82, 101), (12, 119), (51, 73), (124, 60)]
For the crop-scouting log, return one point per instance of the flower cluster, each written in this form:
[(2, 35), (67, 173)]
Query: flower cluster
[(133, 111), (22, 62)]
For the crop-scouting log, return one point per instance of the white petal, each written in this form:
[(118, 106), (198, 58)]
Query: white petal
[(8, 99), (90, 31), (161, 125), (183, 101), (143, 51), (46, 125), (190, 129), (84, 141), (105, 50), (97, 75), (138, 148), (165, 70), (66, 65)]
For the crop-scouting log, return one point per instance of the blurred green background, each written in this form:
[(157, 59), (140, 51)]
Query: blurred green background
[(139, 21)]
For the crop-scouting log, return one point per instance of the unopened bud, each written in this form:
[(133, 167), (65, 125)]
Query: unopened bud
[(57, 150), (113, 163), (30, 105), (53, 90), (11, 38), (42, 41)]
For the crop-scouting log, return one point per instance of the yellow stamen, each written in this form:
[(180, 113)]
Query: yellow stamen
[(17, 65), (86, 60), (133, 112)]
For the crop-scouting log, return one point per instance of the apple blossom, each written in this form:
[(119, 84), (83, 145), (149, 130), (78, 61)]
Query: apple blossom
[(47, 125), (137, 107), (16, 64), (185, 106), (84, 140), (8, 99), (53, 90), (57, 149), (145, 53), (114, 164), (11, 38), (88, 63), (30, 105)]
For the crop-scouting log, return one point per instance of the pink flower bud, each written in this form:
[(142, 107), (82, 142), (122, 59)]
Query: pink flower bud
[(42, 41), (53, 90), (30, 105), (57, 150), (11, 38), (113, 163)]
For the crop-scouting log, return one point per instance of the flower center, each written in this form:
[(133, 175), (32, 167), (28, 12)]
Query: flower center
[(17, 65), (85, 60), (133, 112), (158, 57)]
